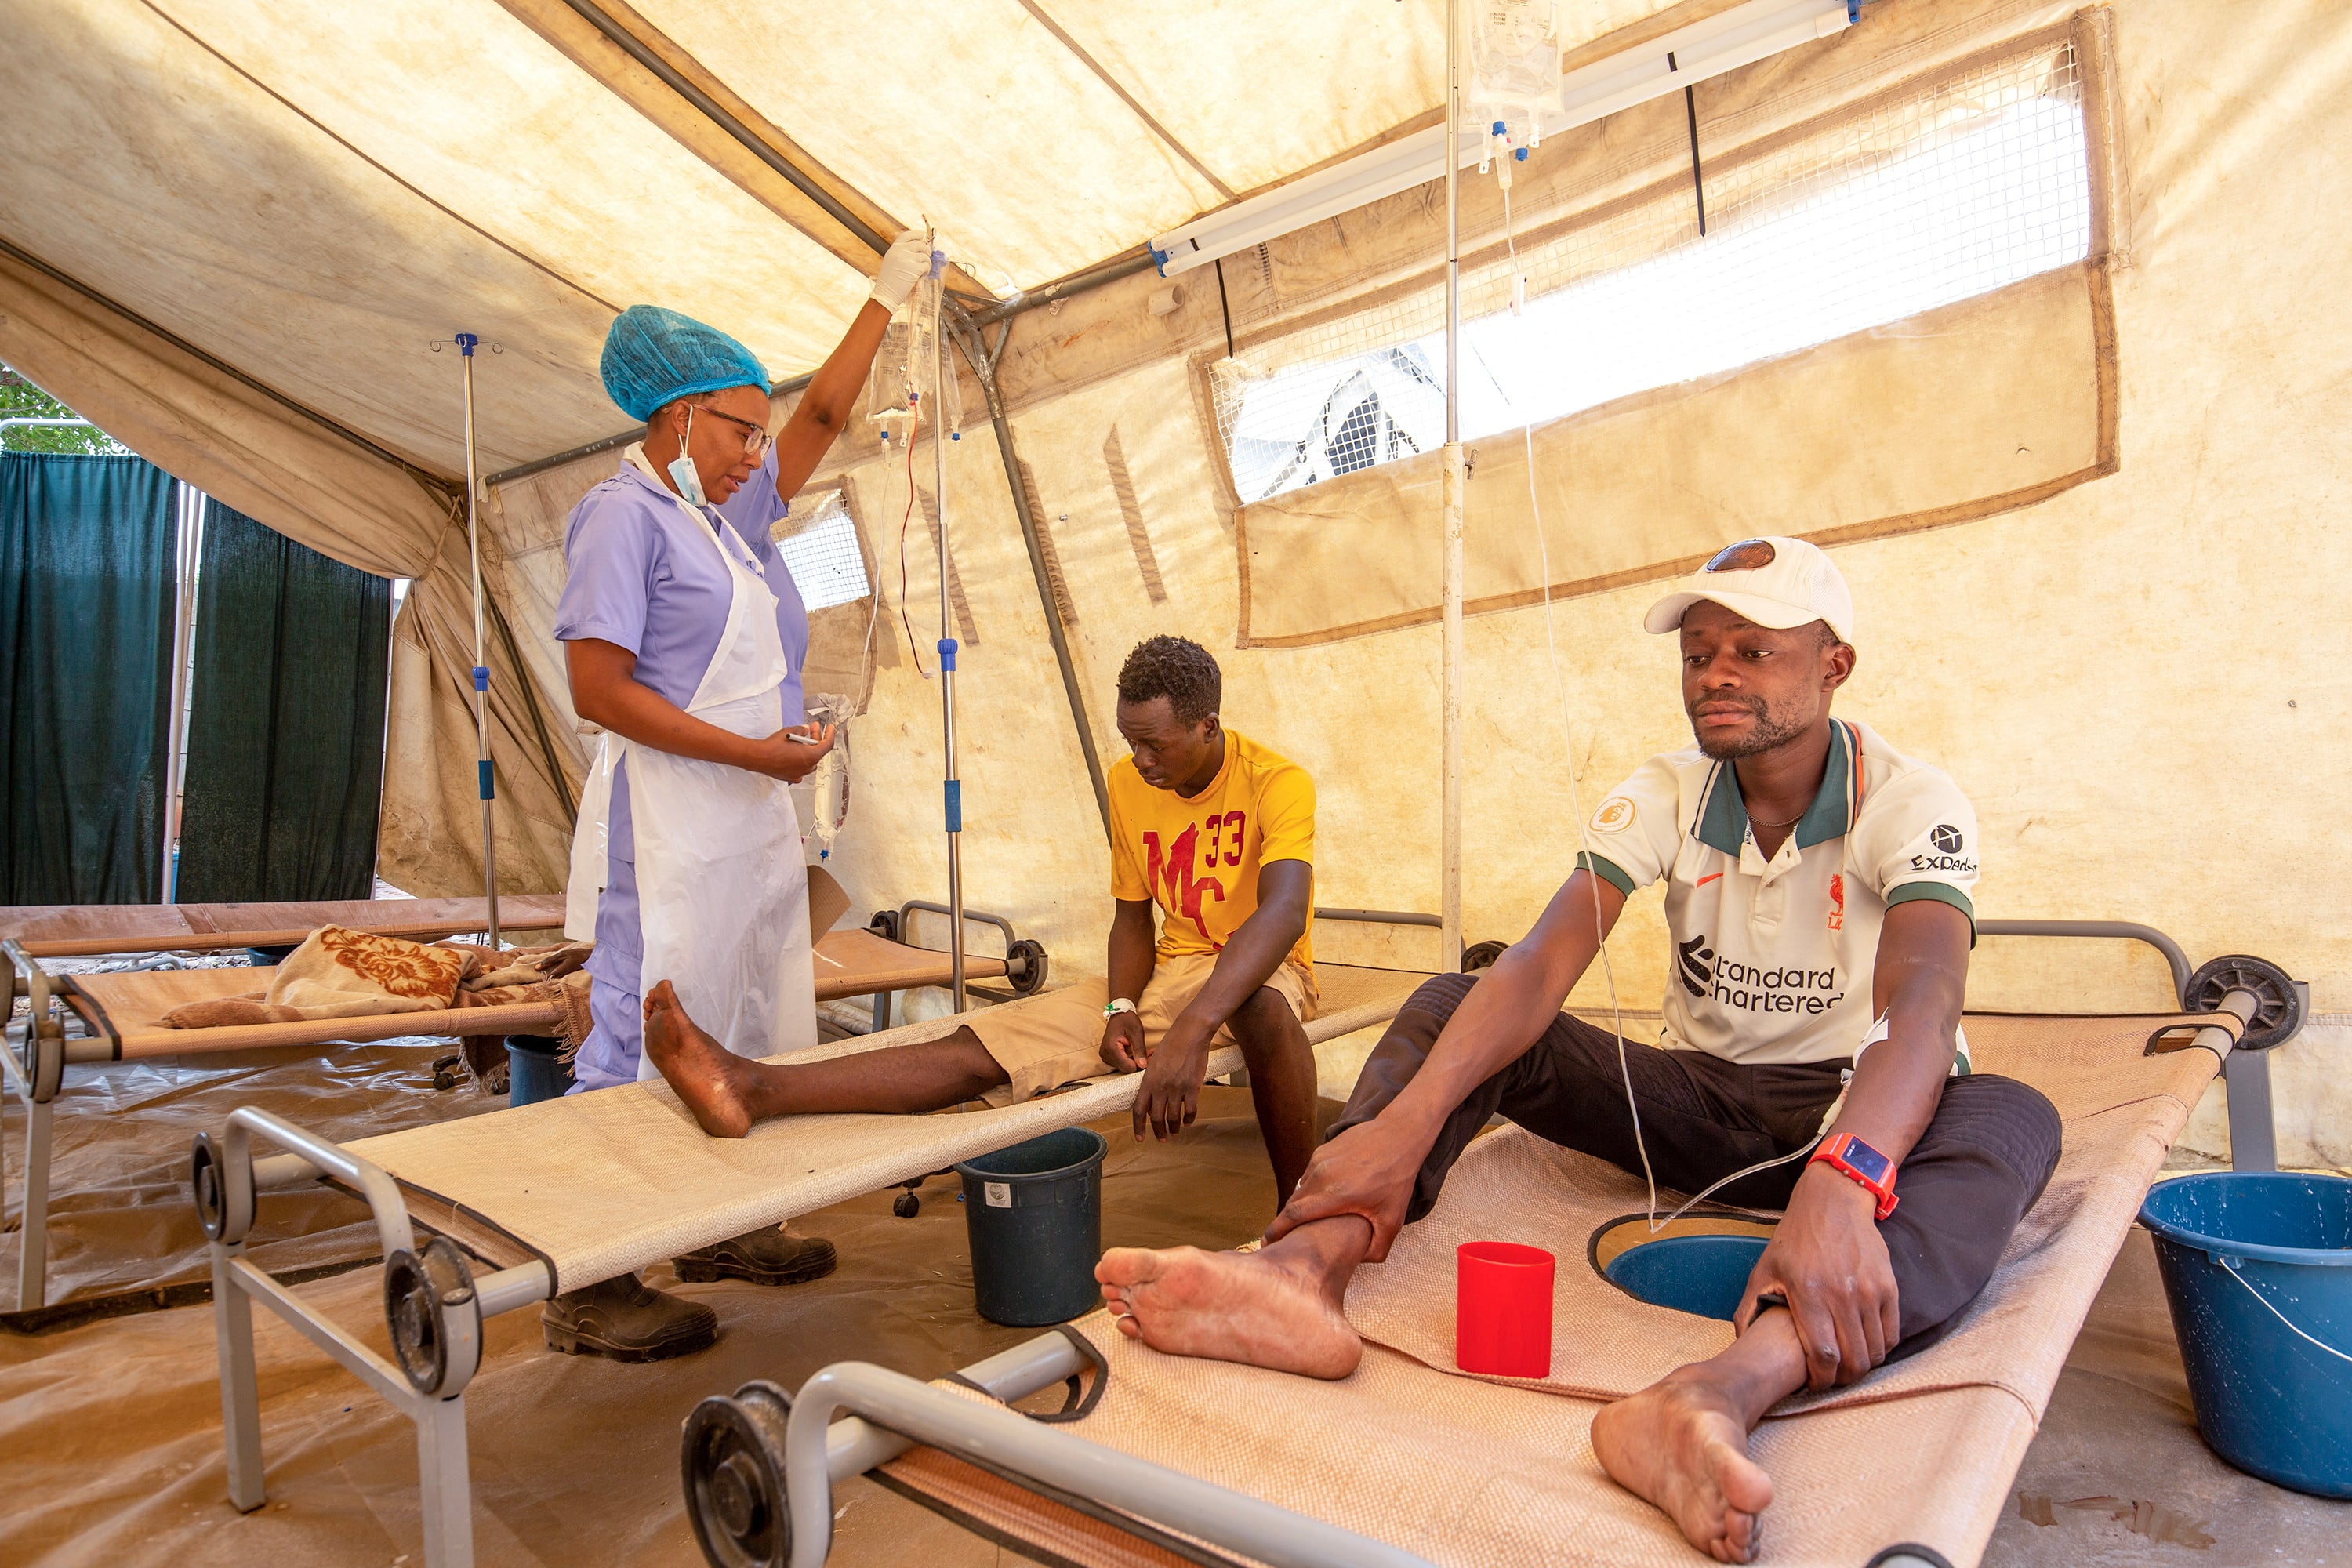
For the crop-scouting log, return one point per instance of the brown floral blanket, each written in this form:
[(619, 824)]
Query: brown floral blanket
[(338, 972)]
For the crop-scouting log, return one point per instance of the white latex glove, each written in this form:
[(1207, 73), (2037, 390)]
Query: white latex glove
[(904, 265)]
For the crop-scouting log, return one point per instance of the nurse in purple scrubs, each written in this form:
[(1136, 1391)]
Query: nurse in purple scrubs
[(683, 636)]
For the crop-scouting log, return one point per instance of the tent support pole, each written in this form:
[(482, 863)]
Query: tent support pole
[(1450, 580), (466, 344), (951, 787), (983, 368), (189, 503)]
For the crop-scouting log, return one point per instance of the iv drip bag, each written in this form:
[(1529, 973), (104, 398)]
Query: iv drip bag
[(901, 381), (1513, 56)]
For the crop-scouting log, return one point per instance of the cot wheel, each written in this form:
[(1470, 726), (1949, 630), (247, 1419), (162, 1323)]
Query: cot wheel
[(435, 1322), (2280, 1013), (732, 1455), (208, 1179), (1025, 965), (1482, 955), (885, 924), (906, 1204)]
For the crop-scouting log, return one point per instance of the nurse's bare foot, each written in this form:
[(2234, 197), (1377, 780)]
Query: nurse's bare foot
[(1682, 1445), (1251, 1307), (706, 1075)]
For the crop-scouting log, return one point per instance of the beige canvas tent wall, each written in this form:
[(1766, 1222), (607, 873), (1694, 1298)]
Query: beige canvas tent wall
[(2091, 522)]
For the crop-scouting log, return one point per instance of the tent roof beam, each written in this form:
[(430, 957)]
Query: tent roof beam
[(665, 84), (1078, 283)]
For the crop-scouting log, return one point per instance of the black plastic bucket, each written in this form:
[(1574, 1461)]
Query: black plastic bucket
[(1034, 1214), (535, 1071)]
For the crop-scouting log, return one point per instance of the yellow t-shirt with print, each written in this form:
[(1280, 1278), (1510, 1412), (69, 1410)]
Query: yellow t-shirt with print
[(1198, 858)]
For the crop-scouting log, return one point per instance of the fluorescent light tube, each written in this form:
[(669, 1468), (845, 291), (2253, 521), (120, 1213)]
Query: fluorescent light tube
[(1739, 37)]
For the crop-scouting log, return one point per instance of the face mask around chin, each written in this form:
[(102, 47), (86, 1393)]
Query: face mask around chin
[(681, 468)]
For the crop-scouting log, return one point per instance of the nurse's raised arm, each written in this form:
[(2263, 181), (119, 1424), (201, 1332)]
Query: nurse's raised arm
[(631, 597), (824, 409)]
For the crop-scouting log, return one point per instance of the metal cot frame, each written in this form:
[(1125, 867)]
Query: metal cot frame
[(35, 1066), (435, 1305), (759, 1482), (760, 1468)]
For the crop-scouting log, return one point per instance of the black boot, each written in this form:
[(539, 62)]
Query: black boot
[(627, 1322), (769, 1256)]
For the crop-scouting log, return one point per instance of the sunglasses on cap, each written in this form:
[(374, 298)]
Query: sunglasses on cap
[(1747, 555)]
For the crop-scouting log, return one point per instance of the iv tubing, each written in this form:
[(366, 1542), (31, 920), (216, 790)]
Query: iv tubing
[(1576, 812)]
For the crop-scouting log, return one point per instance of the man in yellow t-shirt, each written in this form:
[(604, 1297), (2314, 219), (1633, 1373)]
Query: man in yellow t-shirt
[(1209, 825)]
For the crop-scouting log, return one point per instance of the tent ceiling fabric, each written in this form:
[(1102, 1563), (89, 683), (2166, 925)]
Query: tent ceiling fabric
[(322, 246), (314, 204)]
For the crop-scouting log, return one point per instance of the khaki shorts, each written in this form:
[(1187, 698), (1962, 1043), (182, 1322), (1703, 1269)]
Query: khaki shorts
[(1056, 1038)]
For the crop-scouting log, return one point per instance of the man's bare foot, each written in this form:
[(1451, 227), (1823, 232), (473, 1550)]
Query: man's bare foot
[(1228, 1306), (703, 1073), (1680, 1445)]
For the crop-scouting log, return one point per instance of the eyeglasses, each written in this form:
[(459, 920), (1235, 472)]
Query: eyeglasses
[(756, 439)]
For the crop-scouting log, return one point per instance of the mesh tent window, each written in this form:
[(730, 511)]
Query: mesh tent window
[(818, 541), (1919, 200)]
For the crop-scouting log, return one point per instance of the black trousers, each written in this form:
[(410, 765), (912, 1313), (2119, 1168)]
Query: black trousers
[(1980, 1164)]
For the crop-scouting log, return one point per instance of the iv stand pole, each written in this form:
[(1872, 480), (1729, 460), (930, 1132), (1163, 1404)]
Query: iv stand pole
[(940, 370), (466, 344), (1450, 579)]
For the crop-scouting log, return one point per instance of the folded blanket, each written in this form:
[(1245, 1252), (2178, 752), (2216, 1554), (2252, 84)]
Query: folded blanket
[(565, 984), (342, 973)]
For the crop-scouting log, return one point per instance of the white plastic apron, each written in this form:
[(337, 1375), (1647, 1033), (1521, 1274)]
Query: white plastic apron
[(722, 891)]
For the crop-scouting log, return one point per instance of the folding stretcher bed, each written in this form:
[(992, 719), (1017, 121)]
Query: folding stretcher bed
[(121, 1013), (1166, 1460), (560, 1195)]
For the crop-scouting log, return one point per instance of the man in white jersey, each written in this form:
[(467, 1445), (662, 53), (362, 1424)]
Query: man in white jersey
[(1817, 897)]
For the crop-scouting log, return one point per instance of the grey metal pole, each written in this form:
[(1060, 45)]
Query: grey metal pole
[(1450, 575), (983, 367), (188, 556), (466, 344), (953, 786)]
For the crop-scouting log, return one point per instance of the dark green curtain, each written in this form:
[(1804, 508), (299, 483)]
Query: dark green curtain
[(285, 736), (87, 547)]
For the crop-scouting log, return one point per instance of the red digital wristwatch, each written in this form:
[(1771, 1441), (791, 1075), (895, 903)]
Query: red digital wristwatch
[(1858, 1161)]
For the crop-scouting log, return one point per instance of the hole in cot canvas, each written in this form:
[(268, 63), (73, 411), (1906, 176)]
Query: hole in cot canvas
[(1697, 1263)]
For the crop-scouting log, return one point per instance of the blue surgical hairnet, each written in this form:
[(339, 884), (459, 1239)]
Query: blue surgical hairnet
[(653, 356)]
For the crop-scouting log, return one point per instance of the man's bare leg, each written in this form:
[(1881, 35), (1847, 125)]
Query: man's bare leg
[(1277, 1307), (728, 1093), (1281, 1063), (1682, 1443)]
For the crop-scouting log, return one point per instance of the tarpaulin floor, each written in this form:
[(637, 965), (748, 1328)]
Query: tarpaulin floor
[(120, 1220), (111, 1429)]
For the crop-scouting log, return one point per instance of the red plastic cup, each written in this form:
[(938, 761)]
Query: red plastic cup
[(1502, 1309)]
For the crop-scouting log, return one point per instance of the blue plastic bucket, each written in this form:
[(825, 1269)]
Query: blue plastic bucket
[(534, 1071), (1701, 1274), (2258, 1269), (1032, 1214)]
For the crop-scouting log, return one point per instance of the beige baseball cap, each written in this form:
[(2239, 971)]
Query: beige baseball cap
[(1773, 582)]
